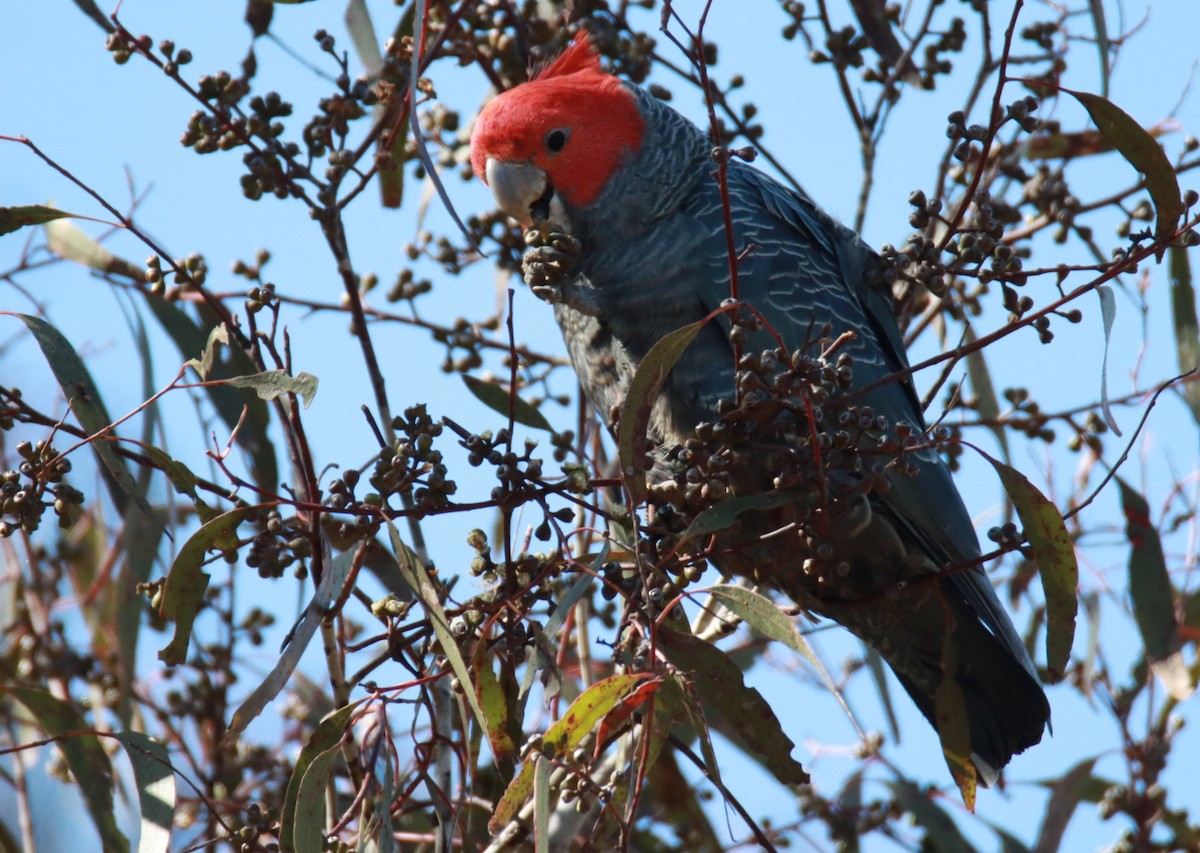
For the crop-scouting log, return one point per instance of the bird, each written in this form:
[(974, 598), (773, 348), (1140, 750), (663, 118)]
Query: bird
[(628, 237)]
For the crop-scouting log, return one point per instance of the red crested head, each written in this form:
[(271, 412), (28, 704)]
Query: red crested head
[(572, 121)]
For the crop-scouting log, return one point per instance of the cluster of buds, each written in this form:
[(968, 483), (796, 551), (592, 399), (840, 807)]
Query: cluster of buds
[(36, 485)]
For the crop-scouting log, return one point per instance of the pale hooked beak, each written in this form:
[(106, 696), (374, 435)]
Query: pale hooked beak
[(521, 190)]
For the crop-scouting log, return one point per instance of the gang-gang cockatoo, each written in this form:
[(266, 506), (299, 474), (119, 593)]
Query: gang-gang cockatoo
[(579, 152)]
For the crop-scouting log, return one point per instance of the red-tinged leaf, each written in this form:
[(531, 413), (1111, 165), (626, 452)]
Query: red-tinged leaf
[(1055, 558), (587, 711), (498, 398), (1187, 326), (620, 716), (183, 593), (302, 817), (84, 755), (953, 725), (639, 405), (750, 720), (155, 780), (589, 708), (14, 218), (1152, 594), (1066, 793), (1143, 153)]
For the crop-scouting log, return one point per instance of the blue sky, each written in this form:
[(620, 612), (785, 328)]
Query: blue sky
[(116, 127)]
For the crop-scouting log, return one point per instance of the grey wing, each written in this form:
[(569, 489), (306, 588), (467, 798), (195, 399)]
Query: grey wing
[(808, 270)]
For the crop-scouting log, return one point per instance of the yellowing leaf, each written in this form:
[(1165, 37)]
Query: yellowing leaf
[(584, 715), (1055, 557), (953, 724)]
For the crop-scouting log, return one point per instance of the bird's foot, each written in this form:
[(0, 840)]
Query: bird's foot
[(546, 267)]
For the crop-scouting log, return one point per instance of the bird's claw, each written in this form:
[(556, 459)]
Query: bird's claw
[(546, 267)]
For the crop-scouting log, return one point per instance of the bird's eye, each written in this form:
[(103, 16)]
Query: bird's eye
[(556, 139)]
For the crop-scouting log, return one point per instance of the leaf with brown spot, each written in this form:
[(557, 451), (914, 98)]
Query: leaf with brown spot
[(1055, 557), (719, 682)]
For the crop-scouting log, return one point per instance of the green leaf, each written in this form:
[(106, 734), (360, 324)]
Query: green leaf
[(561, 739), (987, 404), (182, 478), (541, 804), (87, 405), (1108, 313), (719, 682), (85, 756), (639, 402), (247, 415), (391, 168), (695, 713), (303, 813), (362, 36), (1143, 153), (155, 779), (1187, 327), (1103, 45), (1152, 594), (1066, 793), (761, 614), (941, 833), (89, 8), (415, 576), (274, 383), (953, 724), (68, 240), (208, 356), (724, 514), (14, 218), (332, 581), (1056, 562), (498, 398), (545, 660), (880, 680), (183, 593)]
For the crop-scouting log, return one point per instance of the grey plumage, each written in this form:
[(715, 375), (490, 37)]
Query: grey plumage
[(654, 259)]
